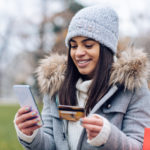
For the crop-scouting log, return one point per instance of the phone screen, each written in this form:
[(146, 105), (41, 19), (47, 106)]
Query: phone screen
[(25, 97)]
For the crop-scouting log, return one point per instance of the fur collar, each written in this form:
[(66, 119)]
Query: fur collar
[(131, 69)]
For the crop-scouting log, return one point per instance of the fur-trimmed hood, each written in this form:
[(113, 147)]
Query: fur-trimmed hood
[(131, 69)]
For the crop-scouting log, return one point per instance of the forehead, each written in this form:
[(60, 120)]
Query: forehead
[(81, 39)]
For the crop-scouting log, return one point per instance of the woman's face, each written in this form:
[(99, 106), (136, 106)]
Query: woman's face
[(85, 54)]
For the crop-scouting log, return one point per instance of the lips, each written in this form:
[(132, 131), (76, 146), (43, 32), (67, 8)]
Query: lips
[(83, 63)]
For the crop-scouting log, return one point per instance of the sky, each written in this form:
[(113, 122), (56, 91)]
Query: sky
[(27, 8), (18, 13), (134, 14)]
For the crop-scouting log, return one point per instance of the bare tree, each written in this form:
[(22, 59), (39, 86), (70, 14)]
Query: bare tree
[(3, 50)]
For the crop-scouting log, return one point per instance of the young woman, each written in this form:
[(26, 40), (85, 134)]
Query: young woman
[(113, 91)]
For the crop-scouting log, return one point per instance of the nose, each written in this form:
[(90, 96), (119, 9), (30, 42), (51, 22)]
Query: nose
[(80, 52)]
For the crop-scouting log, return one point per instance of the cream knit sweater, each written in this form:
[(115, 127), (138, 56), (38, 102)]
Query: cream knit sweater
[(75, 129)]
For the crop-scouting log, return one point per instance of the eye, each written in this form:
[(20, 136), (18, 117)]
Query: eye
[(73, 46), (89, 46)]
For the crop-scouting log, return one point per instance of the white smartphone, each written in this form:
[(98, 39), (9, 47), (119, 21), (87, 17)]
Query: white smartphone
[(25, 97)]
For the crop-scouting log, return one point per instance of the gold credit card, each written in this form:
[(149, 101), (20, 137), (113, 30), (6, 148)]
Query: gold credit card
[(71, 113)]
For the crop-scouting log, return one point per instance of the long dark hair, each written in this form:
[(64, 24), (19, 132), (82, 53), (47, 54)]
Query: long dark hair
[(98, 87)]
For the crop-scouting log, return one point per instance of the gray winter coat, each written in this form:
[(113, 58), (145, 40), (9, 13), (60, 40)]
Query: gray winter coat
[(127, 107)]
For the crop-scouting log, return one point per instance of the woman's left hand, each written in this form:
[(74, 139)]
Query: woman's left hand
[(93, 125)]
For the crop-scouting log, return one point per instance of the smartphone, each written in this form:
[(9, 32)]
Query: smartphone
[(71, 113), (25, 97)]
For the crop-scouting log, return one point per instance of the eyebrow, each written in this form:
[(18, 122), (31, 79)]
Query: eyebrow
[(85, 40)]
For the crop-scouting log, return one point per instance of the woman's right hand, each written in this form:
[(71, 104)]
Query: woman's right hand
[(27, 120)]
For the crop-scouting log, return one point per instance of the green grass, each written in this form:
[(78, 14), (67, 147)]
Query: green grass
[(8, 138)]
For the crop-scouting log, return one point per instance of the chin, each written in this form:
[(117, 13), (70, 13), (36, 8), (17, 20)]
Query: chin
[(87, 74), (84, 73)]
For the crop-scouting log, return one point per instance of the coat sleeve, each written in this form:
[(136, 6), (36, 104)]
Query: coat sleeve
[(137, 117), (44, 138)]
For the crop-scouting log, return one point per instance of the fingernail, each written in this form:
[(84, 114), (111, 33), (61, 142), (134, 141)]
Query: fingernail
[(33, 113), (27, 108), (37, 119), (39, 123), (81, 120)]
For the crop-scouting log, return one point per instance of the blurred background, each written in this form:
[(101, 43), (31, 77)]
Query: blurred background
[(31, 29)]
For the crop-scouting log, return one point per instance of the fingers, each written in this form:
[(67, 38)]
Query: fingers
[(91, 134), (27, 120), (93, 120), (28, 123), (23, 110), (29, 131), (93, 125), (26, 116), (92, 128)]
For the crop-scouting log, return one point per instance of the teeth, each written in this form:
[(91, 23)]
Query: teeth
[(82, 62)]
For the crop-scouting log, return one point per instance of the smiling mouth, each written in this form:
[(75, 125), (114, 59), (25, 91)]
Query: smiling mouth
[(83, 63)]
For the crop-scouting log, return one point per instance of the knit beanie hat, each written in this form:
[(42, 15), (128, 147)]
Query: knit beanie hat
[(96, 22)]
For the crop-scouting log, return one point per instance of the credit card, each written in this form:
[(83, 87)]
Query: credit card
[(71, 113)]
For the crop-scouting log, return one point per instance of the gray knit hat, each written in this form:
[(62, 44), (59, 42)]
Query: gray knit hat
[(96, 22)]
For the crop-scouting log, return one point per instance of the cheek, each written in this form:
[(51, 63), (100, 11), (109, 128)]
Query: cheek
[(96, 59), (97, 54)]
